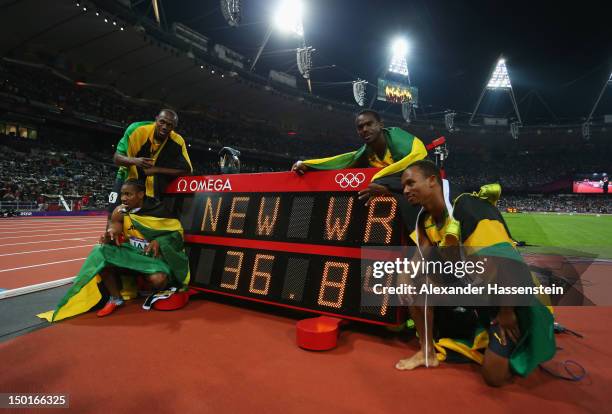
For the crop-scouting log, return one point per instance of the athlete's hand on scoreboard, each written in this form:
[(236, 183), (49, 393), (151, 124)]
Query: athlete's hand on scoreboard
[(152, 249), (142, 162), (372, 190), (299, 168)]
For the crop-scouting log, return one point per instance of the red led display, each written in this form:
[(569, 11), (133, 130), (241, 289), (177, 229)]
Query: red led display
[(289, 240)]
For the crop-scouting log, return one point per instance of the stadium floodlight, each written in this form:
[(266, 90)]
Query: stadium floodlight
[(499, 81), (231, 10), (399, 49), (288, 17), (499, 78), (359, 91)]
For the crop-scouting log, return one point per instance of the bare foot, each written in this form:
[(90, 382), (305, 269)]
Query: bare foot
[(417, 360)]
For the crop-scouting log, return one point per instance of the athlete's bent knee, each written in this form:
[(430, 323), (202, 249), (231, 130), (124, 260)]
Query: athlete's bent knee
[(158, 280)]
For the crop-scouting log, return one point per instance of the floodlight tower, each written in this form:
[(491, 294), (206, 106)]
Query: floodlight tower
[(287, 19), (499, 80), (398, 66), (586, 127), (398, 62)]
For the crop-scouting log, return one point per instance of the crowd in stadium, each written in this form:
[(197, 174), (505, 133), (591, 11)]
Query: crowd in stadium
[(557, 203), (523, 171), (37, 174), (38, 177), (30, 172), (213, 126)]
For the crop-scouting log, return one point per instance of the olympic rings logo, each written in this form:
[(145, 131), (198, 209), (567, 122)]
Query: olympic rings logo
[(350, 179)]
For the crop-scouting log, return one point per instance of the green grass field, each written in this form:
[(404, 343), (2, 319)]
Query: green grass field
[(568, 235)]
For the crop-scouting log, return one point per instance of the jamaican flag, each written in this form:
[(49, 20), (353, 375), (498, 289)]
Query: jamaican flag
[(403, 149), (475, 224), (153, 223), (122, 147), (137, 141)]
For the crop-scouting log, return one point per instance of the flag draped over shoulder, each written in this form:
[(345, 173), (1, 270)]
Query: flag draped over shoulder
[(478, 226), (154, 224), (485, 233), (404, 147), (171, 153)]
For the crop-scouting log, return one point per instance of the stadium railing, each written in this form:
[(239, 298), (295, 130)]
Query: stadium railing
[(18, 205)]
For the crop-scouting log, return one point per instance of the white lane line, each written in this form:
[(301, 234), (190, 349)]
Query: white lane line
[(50, 218), (62, 228), (35, 288), (41, 264), (51, 225), (47, 250), (55, 234), (49, 241), (31, 222)]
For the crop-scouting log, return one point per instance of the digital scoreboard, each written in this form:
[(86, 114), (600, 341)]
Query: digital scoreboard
[(397, 92), (287, 240)]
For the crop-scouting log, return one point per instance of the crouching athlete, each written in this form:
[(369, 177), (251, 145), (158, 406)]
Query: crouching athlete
[(142, 239), (515, 339)]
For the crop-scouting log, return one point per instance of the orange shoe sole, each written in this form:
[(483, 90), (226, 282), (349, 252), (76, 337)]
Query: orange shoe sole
[(109, 308)]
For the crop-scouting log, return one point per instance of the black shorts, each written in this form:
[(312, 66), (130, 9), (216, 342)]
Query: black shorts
[(495, 344), (114, 197), (453, 324), (487, 316)]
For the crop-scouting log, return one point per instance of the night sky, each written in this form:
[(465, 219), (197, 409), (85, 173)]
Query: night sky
[(562, 50)]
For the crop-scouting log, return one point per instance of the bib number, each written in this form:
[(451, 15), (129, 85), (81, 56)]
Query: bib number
[(140, 244)]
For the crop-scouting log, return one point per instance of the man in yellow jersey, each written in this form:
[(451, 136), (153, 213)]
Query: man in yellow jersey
[(152, 152), (391, 149), (509, 339), (146, 240)]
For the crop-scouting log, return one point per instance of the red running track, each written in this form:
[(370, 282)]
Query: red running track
[(36, 250)]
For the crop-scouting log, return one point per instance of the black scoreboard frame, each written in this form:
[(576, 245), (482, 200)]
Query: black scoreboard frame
[(287, 240)]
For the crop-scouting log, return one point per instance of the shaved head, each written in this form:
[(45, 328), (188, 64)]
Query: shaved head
[(170, 113)]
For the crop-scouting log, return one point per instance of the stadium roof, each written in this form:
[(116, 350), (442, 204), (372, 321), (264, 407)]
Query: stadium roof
[(562, 53), (142, 66)]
